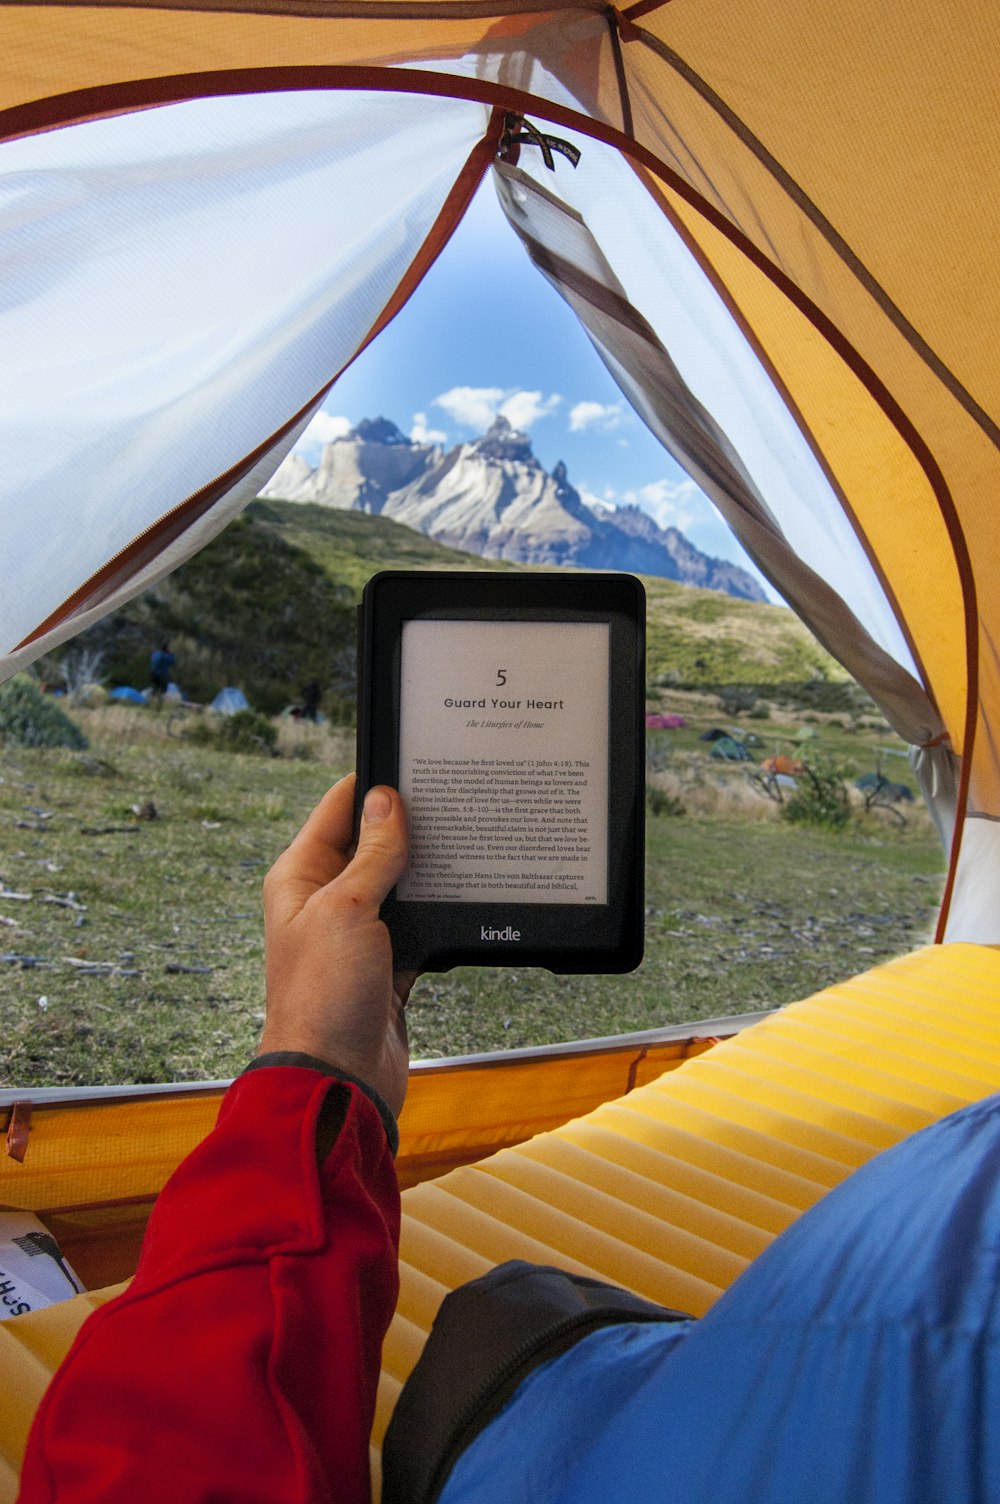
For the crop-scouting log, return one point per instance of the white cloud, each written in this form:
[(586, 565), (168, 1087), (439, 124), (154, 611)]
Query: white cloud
[(683, 505), (672, 503), (601, 415), (421, 434), (477, 406), (472, 406), (323, 429), (522, 409)]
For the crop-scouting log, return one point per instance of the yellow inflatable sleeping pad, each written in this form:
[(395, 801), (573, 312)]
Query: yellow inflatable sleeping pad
[(674, 1188)]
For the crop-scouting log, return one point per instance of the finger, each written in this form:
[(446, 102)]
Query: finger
[(319, 852), (381, 855)]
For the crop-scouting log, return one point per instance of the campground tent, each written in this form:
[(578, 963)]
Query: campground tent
[(883, 790), (779, 763), (230, 701), (779, 235), (728, 749)]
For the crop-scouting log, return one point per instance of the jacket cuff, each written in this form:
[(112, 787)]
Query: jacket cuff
[(313, 1063)]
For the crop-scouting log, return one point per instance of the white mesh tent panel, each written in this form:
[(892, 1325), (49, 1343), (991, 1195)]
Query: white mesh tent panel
[(152, 334)]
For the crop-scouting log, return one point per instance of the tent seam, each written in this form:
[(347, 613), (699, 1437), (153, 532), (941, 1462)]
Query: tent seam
[(343, 10), (616, 52)]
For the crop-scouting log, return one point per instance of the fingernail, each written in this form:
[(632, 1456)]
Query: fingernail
[(378, 806)]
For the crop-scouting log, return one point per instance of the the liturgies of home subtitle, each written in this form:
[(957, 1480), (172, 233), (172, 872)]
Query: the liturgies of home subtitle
[(505, 704)]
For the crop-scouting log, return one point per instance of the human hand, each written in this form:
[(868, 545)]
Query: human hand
[(331, 991)]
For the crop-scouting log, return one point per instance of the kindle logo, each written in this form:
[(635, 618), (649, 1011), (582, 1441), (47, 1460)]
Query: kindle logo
[(486, 933)]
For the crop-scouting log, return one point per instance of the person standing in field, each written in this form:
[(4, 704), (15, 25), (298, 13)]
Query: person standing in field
[(161, 662), (312, 693)]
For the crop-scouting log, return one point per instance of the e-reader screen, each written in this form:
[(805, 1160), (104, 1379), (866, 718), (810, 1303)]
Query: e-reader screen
[(503, 761)]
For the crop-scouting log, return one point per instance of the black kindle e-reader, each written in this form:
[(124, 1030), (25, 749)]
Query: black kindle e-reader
[(508, 709)]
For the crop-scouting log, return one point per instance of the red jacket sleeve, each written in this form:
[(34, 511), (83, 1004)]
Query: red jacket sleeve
[(242, 1362)]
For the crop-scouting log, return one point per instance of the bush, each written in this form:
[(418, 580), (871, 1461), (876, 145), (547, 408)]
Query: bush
[(659, 751), (659, 802), (821, 798), (246, 731), (737, 699), (34, 720)]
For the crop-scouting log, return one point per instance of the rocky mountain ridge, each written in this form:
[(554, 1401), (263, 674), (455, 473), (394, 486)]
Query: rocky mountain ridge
[(494, 498)]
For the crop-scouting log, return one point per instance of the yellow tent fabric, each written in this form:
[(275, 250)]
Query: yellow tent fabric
[(92, 1166), (832, 172), (674, 1188)]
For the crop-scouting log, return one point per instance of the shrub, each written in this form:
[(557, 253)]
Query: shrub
[(81, 670), (737, 699), (246, 731), (34, 720), (821, 798), (659, 751), (659, 802)]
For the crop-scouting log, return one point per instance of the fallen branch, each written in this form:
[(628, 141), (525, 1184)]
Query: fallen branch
[(65, 901), (84, 968)]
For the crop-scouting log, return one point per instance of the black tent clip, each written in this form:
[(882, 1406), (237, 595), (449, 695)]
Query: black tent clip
[(518, 132)]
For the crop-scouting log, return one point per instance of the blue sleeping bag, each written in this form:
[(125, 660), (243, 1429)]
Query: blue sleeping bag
[(855, 1362)]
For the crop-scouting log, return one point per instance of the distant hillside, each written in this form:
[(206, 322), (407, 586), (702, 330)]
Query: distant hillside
[(492, 497), (271, 603), (352, 546), (251, 609)]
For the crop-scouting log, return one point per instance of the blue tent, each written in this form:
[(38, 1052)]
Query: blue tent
[(229, 700)]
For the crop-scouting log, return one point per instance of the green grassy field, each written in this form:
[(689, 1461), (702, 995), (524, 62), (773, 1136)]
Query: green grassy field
[(131, 949)]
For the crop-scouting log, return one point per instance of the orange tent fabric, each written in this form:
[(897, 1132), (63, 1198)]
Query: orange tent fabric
[(779, 763)]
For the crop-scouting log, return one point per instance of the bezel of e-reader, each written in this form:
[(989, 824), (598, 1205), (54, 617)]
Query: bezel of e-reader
[(564, 938)]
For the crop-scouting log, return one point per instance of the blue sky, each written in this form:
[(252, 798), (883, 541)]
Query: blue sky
[(483, 334)]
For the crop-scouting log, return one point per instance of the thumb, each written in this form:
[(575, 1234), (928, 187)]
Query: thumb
[(382, 851)]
